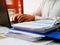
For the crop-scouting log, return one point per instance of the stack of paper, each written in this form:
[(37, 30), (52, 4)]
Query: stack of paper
[(24, 35), (41, 26)]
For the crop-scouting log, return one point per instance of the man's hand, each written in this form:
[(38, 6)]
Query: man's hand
[(22, 18)]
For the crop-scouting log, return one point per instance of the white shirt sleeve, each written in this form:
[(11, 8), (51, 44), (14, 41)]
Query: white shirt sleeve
[(42, 18), (54, 12), (38, 10)]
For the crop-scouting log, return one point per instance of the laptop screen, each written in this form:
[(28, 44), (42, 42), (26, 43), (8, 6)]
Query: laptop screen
[(4, 17)]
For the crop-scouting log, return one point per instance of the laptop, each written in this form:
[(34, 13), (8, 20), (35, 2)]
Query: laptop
[(4, 17)]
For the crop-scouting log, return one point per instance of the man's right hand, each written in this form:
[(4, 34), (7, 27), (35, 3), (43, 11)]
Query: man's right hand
[(22, 18)]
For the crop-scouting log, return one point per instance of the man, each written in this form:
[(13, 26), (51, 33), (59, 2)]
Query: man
[(48, 9)]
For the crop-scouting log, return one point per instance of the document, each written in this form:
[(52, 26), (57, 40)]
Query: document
[(37, 26), (24, 35)]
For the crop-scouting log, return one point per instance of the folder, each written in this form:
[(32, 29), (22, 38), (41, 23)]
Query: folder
[(40, 26)]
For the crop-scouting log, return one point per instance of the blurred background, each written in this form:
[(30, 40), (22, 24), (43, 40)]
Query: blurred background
[(14, 6)]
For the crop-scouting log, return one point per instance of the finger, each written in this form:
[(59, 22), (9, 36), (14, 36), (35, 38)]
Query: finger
[(21, 19), (15, 17), (20, 16), (11, 18)]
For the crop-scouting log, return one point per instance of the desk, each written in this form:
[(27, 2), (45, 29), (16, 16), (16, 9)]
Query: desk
[(15, 41)]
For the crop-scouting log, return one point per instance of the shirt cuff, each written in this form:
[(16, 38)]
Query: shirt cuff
[(38, 17)]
